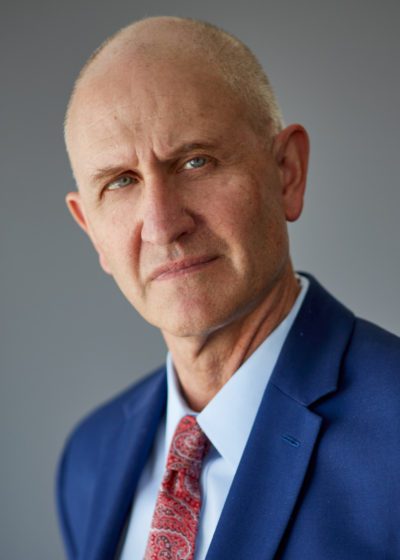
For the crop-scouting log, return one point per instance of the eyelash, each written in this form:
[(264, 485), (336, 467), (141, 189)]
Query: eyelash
[(205, 158), (109, 186)]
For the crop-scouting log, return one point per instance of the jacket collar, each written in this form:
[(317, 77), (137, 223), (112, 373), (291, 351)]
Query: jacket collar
[(308, 366)]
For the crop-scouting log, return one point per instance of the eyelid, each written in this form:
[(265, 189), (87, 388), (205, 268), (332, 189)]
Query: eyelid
[(116, 179), (207, 159)]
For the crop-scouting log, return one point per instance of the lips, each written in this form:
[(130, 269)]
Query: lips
[(181, 267)]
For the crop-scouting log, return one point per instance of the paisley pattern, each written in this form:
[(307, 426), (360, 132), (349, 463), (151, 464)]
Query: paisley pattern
[(175, 520)]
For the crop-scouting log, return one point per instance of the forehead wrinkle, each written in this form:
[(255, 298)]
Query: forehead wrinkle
[(163, 144), (106, 137), (117, 110), (127, 121)]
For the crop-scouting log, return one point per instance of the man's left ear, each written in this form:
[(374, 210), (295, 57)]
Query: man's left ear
[(291, 151)]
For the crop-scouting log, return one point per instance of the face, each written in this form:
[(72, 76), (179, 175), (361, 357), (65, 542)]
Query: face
[(184, 203)]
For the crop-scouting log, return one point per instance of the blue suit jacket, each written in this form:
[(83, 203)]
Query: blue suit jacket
[(320, 475)]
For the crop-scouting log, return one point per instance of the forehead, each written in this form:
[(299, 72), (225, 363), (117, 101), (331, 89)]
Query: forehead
[(161, 103)]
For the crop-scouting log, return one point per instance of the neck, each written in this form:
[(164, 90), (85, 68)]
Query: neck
[(204, 364)]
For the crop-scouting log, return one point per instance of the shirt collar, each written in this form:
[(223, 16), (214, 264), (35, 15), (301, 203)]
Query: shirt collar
[(228, 418)]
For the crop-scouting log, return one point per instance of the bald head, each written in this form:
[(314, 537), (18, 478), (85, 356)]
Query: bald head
[(187, 44)]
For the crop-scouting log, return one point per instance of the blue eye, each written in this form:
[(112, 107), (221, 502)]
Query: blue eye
[(195, 163), (120, 183)]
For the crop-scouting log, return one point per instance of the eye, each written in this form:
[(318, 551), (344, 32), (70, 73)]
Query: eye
[(119, 183), (195, 163)]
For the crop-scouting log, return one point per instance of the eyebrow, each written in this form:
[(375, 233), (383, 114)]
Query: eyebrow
[(112, 171), (106, 173)]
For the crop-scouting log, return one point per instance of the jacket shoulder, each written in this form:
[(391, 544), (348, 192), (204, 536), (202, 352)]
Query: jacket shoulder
[(101, 421), (374, 346), (372, 371)]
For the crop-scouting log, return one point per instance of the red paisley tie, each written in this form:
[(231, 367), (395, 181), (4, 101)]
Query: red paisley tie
[(176, 515)]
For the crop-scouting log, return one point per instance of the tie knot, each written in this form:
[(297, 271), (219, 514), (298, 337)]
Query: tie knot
[(188, 448)]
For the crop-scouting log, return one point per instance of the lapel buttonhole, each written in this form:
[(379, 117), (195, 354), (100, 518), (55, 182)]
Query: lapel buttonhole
[(291, 440)]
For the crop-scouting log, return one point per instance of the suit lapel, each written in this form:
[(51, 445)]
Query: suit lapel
[(124, 459), (274, 465), (268, 480)]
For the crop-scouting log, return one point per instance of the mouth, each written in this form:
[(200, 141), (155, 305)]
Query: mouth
[(181, 268)]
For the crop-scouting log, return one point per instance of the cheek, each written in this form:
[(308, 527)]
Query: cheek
[(114, 235), (244, 211), (255, 229), (227, 204)]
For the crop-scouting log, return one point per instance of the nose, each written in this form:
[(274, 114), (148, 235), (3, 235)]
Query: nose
[(165, 218)]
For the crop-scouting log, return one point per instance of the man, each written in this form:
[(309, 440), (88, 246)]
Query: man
[(289, 443)]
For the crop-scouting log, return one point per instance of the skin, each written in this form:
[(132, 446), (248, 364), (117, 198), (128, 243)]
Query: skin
[(186, 206)]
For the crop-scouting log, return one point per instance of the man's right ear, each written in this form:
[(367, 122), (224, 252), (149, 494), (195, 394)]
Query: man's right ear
[(74, 203)]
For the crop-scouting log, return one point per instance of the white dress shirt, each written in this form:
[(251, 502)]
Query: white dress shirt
[(227, 421)]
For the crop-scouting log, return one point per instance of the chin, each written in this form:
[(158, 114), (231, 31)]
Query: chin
[(184, 320), (195, 321), (187, 328)]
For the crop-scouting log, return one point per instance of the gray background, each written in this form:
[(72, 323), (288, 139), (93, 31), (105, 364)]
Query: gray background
[(68, 339)]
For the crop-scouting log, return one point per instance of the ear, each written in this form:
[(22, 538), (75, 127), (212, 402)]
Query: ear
[(75, 206), (291, 151)]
